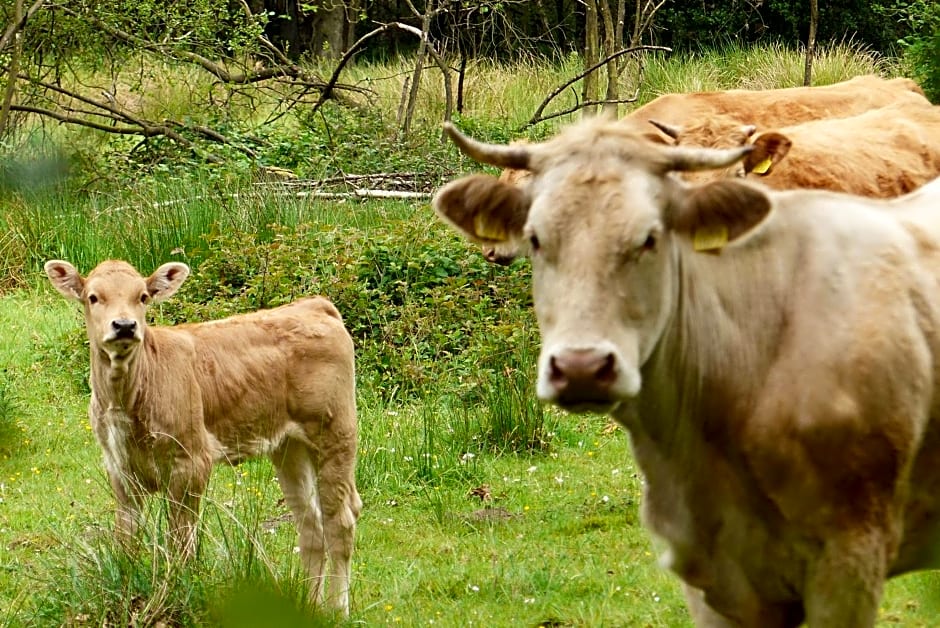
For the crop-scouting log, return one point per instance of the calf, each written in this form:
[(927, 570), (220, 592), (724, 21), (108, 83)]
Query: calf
[(169, 402), (774, 355)]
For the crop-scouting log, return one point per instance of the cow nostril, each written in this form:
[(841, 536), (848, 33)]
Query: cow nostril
[(555, 374), (607, 372)]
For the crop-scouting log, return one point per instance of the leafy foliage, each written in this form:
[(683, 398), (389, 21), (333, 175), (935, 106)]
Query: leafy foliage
[(420, 305), (921, 48)]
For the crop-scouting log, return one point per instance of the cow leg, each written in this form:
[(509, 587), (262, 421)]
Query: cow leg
[(753, 613), (844, 584), (296, 475), (341, 505)]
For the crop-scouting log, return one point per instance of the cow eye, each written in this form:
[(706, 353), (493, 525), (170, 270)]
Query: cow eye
[(534, 242), (144, 298), (649, 244), (92, 299)]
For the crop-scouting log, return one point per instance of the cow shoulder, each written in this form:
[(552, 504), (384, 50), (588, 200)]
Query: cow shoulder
[(483, 208)]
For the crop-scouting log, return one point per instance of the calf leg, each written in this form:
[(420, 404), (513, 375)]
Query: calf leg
[(296, 475), (341, 505), (188, 480), (129, 497)]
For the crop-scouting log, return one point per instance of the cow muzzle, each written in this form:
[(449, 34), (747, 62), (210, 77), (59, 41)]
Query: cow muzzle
[(586, 379)]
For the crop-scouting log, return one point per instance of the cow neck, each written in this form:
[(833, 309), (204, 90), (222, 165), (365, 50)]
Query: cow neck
[(727, 321), (116, 381)]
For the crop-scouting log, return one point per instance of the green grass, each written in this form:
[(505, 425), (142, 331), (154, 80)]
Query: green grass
[(481, 506)]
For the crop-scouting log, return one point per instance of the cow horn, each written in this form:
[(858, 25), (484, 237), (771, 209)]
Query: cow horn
[(672, 131), (688, 159), (501, 155)]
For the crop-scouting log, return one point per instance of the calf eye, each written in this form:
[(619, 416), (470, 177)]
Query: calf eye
[(534, 242), (144, 298), (650, 243), (92, 299)]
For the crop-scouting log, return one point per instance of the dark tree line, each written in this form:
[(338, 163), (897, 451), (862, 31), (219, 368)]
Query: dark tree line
[(511, 28)]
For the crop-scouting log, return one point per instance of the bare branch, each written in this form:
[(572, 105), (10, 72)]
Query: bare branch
[(325, 93), (537, 116), (18, 24), (581, 105)]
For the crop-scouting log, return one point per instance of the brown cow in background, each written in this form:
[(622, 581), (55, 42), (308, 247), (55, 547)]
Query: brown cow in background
[(743, 108), (882, 153), (168, 402)]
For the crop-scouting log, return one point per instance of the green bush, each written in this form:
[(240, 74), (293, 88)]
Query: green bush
[(421, 304), (921, 46)]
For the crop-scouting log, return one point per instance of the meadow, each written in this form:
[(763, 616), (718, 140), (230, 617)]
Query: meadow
[(482, 507)]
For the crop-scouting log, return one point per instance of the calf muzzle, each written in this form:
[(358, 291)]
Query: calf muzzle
[(124, 329)]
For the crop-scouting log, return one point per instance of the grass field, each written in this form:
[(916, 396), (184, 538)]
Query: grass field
[(448, 537), (482, 508)]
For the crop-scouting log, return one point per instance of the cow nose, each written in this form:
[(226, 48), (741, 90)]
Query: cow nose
[(124, 327), (582, 375)]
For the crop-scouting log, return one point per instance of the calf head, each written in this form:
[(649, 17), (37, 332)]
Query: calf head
[(115, 298), (604, 223)]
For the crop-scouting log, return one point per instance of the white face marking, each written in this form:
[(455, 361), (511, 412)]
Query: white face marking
[(600, 282)]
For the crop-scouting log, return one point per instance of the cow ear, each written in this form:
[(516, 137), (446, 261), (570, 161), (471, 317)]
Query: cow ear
[(484, 209), (65, 278), (717, 213), (769, 150), (166, 280)]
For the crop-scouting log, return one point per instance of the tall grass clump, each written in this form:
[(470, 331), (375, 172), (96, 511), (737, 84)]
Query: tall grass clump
[(241, 547), (735, 66)]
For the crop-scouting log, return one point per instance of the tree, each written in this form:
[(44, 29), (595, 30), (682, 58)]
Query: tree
[(811, 42)]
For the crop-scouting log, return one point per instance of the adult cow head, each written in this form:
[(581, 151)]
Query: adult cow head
[(722, 131), (115, 299), (605, 225)]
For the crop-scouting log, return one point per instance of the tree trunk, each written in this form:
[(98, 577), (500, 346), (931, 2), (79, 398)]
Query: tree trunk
[(811, 42), (296, 27), (591, 54), (613, 41), (420, 59)]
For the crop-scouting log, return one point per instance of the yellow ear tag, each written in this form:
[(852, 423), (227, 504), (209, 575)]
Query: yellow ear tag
[(488, 229), (710, 238), (763, 167)]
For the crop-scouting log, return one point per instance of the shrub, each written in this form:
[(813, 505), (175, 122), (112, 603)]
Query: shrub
[(420, 304)]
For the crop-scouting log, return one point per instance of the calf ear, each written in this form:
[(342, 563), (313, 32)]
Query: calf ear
[(65, 279), (720, 212), (166, 280), (484, 209), (769, 150)]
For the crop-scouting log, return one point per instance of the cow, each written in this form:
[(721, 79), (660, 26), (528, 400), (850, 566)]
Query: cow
[(768, 108), (743, 109), (882, 153), (169, 402), (773, 355)]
